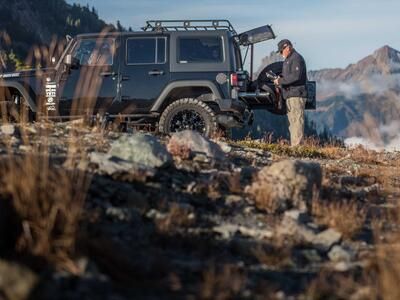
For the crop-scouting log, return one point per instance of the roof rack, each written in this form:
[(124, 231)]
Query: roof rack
[(188, 25)]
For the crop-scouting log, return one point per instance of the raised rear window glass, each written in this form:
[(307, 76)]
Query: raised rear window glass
[(200, 50), (145, 51)]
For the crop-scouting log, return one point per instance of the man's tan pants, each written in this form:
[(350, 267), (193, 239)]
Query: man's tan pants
[(295, 113)]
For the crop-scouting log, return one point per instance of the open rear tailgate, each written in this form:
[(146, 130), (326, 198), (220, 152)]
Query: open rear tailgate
[(256, 35)]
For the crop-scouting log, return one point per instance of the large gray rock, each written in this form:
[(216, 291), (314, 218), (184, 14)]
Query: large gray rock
[(197, 144), (228, 230), (112, 165), (322, 241), (326, 239), (286, 184), (339, 253), (141, 148), (7, 129), (16, 282), (292, 227)]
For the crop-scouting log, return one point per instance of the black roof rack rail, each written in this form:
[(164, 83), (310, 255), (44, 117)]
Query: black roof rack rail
[(188, 25)]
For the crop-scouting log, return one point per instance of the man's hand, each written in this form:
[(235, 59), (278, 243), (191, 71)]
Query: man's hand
[(276, 81)]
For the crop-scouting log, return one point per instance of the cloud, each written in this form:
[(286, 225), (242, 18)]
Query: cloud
[(391, 139), (375, 84), (354, 142), (391, 146)]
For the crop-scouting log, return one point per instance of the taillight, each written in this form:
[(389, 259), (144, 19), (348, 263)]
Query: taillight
[(234, 80)]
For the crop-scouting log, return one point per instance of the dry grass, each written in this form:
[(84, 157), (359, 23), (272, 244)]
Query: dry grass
[(233, 183), (388, 270), (220, 134), (363, 155), (264, 198), (331, 285), (283, 149), (228, 181), (386, 176), (177, 217), (49, 202), (48, 199), (264, 194), (275, 256), (178, 150), (332, 152), (222, 284), (386, 262), (345, 216)]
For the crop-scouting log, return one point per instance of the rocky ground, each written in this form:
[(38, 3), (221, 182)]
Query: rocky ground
[(88, 213)]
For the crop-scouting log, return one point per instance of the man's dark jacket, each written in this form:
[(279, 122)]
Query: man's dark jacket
[(294, 76)]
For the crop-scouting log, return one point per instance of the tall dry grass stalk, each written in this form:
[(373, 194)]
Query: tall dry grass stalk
[(49, 201), (387, 260), (223, 284), (345, 216), (387, 253)]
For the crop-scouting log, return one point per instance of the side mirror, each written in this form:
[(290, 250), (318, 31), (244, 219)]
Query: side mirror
[(71, 61)]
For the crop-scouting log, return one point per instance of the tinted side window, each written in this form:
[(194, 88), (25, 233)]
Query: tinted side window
[(200, 50), (145, 51), (161, 50), (95, 52)]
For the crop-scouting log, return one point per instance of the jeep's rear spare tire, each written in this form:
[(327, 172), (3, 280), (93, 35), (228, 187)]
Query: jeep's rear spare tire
[(188, 114)]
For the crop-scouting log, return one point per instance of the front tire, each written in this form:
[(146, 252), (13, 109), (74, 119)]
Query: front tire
[(188, 114), (17, 110)]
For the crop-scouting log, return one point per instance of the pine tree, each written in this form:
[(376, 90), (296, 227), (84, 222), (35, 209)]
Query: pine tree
[(119, 26)]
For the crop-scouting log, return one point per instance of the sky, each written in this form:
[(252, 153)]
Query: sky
[(328, 33)]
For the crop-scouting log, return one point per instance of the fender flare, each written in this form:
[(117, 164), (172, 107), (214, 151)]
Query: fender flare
[(19, 87), (184, 83)]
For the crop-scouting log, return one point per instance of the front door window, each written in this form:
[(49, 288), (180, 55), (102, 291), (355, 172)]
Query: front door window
[(95, 52)]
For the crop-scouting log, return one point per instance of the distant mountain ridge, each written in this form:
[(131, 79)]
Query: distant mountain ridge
[(363, 99), (384, 61)]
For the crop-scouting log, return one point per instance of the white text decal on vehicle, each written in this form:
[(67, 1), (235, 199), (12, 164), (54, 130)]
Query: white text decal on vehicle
[(51, 93), (10, 75)]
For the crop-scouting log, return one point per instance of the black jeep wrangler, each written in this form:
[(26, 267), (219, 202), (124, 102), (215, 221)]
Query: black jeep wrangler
[(173, 75)]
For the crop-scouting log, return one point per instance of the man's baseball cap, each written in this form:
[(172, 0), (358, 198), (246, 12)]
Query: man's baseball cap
[(282, 44)]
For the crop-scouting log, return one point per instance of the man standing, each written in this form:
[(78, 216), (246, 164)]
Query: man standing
[(293, 81)]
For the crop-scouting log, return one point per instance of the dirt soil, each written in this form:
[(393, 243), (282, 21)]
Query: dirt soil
[(190, 230)]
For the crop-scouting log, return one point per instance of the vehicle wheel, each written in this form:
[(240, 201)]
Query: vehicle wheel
[(19, 110), (188, 114)]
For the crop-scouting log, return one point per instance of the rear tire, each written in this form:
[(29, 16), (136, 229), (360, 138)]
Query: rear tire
[(188, 114)]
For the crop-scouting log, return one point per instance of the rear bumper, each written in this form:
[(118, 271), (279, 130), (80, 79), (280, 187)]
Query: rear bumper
[(231, 105), (234, 113)]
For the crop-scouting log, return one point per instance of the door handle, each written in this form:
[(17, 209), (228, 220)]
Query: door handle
[(156, 72), (107, 74), (125, 77)]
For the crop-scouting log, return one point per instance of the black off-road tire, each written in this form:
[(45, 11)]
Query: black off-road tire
[(202, 115), (17, 112)]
